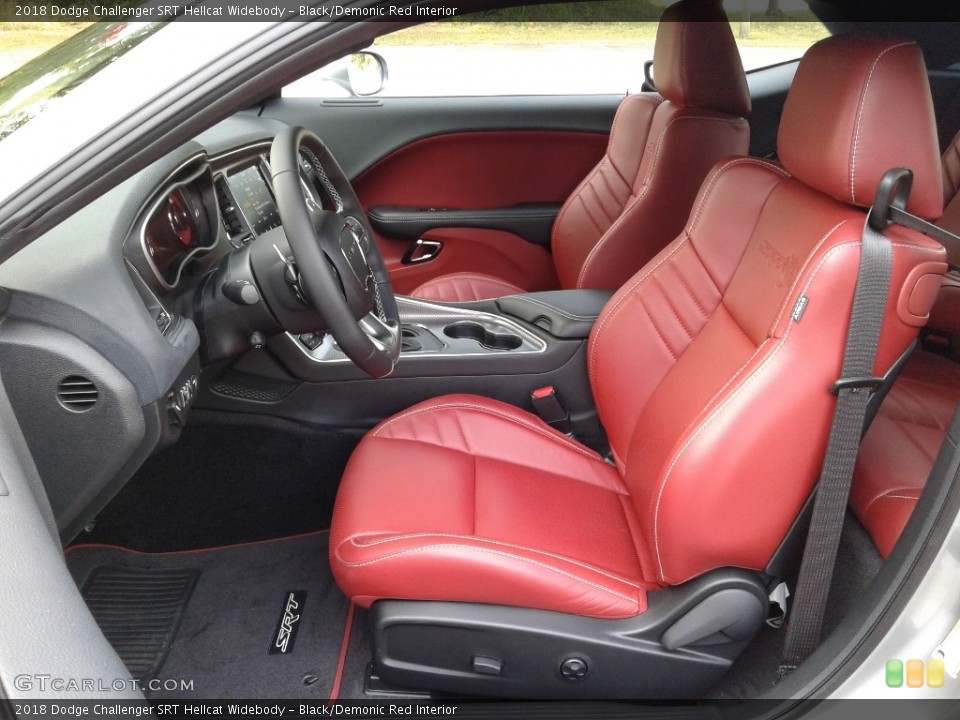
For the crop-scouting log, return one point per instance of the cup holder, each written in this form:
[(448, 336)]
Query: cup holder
[(486, 338)]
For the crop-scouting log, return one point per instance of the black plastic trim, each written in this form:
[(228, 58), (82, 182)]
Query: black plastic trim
[(433, 645), (567, 314), (531, 221)]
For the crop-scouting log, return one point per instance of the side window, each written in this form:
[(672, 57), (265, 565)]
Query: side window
[(568, 49)]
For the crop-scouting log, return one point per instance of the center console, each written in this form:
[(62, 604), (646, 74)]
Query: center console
[(504, 349)]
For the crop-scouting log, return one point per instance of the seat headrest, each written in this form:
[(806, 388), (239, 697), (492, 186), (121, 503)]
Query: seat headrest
[(695, 59), (859, 106)]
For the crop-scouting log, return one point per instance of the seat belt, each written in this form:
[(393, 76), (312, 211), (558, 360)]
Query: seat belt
[(853, 392)]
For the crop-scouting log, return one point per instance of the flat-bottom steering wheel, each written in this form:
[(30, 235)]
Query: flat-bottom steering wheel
[(340, 266)]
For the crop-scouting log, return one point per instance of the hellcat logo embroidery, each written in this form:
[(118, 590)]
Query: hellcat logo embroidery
[(289, 623), (786, 265)]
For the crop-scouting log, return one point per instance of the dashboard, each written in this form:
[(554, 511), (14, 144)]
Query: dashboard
[(116, 297)]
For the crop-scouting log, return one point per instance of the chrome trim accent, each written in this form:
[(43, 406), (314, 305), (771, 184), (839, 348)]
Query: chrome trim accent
[(167, 187), (432, 318)]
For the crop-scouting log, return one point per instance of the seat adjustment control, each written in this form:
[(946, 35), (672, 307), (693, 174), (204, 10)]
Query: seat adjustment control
[(573, 669)]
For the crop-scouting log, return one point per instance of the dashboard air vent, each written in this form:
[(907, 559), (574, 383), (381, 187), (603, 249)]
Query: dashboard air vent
[(77, 393), (228, 211)]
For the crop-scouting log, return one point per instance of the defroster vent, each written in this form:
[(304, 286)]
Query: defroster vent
[(77, 393)]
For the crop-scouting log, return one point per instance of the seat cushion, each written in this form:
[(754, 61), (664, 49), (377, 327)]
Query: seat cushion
[(465, 287), (899, 450), (482, 502)]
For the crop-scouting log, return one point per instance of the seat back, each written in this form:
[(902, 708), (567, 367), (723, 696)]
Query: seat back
[(636, 200), (950, 163), (945, 316), (711, 367)]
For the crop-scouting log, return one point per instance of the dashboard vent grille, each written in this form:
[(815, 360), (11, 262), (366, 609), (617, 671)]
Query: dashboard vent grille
[(228, 211), (77, 393)]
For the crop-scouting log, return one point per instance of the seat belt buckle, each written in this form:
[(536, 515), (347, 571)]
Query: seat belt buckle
[(855, 384), (549, 408)]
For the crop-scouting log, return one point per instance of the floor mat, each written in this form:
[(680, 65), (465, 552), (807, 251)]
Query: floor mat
[(262, 620), (139, 611)]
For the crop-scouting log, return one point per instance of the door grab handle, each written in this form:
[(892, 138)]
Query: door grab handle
[(422, 251)]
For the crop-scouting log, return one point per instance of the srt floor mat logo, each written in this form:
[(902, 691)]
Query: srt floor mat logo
[(289, 622)]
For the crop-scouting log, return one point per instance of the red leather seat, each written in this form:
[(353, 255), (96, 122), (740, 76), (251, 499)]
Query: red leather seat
[(945, 316), (899, 449), (711, 383), (636, 200)]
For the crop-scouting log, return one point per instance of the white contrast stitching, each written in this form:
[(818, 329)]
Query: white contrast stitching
[(860, 106), (426, 548), (490, 411), (414, 536)]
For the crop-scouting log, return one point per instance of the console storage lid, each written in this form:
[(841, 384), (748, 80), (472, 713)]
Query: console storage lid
[(562, 313)]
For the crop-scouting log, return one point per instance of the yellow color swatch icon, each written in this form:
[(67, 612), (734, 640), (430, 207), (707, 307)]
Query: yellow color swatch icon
[(935, 673)]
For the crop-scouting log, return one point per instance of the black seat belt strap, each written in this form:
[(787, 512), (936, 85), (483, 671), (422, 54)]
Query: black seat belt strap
[(853, 392)]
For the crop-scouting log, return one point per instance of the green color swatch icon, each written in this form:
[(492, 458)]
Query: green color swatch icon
[(894, 673)]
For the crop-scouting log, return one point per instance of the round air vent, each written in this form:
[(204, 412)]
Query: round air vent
[(77, 393)]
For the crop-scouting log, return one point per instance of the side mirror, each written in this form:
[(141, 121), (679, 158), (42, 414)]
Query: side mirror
[(366, 73)]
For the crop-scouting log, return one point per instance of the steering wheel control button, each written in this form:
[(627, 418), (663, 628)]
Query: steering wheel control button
[(573, 669), (242, 292), (486, 665)]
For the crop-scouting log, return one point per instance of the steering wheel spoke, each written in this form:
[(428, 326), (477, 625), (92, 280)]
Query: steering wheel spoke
[(385, 334)]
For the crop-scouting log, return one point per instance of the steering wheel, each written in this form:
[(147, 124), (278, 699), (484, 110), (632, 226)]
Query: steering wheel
[(338, 261)]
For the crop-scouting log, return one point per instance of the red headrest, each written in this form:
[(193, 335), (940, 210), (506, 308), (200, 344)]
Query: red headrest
[(858, 107), (695, 59)]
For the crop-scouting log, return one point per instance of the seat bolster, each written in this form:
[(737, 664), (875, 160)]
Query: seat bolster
[(461, 567), (465, 287), (945, 315)]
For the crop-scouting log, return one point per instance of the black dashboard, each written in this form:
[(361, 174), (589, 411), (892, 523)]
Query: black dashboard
[(109, 298)]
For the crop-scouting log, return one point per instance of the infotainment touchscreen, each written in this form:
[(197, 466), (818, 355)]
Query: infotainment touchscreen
[(253, 197)]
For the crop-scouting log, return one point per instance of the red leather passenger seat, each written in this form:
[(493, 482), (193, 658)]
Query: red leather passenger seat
[(636, 200), (900, 447)]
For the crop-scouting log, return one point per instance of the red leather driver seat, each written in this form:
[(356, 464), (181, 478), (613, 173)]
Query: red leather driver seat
[(711, 377), (637, 198)]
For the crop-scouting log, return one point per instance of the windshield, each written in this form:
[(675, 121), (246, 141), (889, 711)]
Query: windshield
[(32, 88)]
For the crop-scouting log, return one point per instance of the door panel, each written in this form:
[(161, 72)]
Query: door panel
[(475, 170), (464, 153)]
